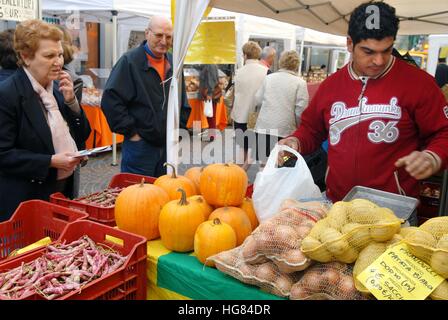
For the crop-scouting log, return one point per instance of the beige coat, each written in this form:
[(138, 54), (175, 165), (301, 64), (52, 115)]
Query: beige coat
[(248, 80)]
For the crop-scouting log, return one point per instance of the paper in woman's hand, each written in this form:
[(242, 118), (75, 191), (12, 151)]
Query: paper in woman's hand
[(90, 152)]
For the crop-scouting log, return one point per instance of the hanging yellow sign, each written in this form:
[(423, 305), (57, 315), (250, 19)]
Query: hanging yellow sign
[(398, 275), (214, 41)]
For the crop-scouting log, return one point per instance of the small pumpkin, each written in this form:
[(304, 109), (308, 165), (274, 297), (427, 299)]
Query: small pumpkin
[(205, 207), (178, 222), (137, 209), (213, 237), (237, 219), (248, 208), (223, 184), (194, 174), (171, 183)]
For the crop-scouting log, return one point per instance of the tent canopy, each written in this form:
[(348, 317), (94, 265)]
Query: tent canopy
[(332, 16), (129, 7)]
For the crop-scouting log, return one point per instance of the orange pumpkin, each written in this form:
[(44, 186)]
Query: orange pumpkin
[(223, 184), (137, 209), (237, 219), (248, 208), (178, 222), (205, 207), (213, 237), (171, 183), (194, 174)]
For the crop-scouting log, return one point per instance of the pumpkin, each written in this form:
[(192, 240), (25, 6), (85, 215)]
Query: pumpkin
[(205, 207), (237, 219), (178, 222), (213, 237), (137, 209), (248, 208), (194, 174), (171, 183), (223, 184)]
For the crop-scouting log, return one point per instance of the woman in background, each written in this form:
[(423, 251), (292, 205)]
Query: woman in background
[(283, 97)]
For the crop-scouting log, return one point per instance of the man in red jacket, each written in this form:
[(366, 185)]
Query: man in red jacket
[(386, 121)]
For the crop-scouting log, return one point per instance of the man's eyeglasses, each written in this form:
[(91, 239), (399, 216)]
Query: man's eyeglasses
[(159, 36)]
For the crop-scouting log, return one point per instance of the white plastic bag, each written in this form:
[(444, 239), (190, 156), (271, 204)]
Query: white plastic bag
[(273, 185), (208, 108)]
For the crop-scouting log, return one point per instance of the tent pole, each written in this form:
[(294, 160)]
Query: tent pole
[(114, 60), (39, 9)]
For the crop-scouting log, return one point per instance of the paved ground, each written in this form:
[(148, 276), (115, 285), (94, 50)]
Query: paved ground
[(98, 172)]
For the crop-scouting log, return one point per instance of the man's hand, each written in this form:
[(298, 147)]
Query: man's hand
[(66, 87), (135, 137), (291, 142), (418, 164)]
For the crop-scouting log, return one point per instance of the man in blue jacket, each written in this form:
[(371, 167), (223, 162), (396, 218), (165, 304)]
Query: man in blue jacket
[(135, 100)]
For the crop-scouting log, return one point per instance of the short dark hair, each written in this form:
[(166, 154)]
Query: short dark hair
[(388, 23), (8, 58)]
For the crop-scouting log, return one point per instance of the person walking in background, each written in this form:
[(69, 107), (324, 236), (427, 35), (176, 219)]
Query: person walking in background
[(41, 124), (248, 80), (210, 90), (8, 58), (135, 100), (268, 57), (441, 72), (282, 97)]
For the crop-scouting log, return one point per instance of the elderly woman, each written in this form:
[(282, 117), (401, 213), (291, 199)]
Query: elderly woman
[(283, 97), (41, 123), (248, 80)]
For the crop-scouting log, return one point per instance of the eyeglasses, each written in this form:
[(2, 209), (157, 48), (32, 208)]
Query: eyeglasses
[(159, 36)]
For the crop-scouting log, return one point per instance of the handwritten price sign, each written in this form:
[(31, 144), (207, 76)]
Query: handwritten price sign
[(399, 275)]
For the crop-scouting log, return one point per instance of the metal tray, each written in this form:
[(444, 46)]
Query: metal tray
[(404, 207)]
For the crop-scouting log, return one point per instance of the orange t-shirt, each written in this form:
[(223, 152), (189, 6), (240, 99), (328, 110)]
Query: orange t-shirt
[(158, 64)]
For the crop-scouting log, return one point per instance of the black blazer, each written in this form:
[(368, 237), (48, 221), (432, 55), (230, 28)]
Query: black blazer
[(26, 145)]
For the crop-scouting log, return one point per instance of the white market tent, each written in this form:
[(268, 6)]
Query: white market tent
[(417, 16)]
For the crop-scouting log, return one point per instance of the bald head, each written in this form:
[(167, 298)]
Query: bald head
[(268, 55), (159, 35)]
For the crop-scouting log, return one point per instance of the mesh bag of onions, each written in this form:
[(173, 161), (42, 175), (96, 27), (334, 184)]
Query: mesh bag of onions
[(326, 281), (278, 239), (348, 228), (429, 242), (264, 275)]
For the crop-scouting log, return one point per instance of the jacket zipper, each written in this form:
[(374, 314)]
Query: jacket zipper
[(364, 81)]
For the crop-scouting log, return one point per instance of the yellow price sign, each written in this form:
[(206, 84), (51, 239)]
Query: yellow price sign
[(399, 275)]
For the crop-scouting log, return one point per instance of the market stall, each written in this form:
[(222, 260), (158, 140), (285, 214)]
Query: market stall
[(101, 134)]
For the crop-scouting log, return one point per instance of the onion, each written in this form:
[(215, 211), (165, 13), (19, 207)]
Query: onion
[(250, 248), (283, 285), (311, 281), (266, 272), (298, 292), (330, 277), (346, 287), (286, 236)]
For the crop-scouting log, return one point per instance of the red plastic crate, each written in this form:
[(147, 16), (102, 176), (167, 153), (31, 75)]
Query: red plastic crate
[(97, 213), (126, 283), (32, 221)]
